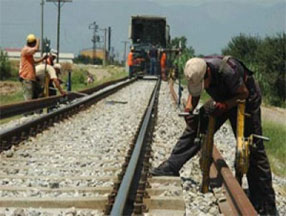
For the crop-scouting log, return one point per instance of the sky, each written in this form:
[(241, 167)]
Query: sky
[(208, 24)]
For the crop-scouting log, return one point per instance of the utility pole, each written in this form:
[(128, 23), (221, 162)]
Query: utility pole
[(94, 27), (109, 41), (124, 55), (104, 46), (42, 26), (59, 4)]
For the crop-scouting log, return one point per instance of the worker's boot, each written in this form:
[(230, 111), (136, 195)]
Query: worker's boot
[(267, 210), (164, 169)]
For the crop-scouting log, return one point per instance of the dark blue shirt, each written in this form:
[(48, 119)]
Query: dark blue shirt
[(153, 53)]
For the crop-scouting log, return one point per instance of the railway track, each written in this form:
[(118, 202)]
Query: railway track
[(12, 136), (63, 175), (9, 110)]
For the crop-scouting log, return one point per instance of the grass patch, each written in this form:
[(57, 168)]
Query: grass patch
[(79, 78), (276, 148), (11, 98), (78, 83)]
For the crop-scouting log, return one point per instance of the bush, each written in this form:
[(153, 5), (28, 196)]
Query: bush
[(5, 66), (243, 47), (271, 65), (79, 76)]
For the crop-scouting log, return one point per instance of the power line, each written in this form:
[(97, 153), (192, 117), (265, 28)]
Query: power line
[(59, 4), (94, 39), (104, 46), (42, 26)]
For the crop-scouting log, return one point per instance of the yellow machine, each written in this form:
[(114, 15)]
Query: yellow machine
[(243, 144), (242, 147), (206, 154)]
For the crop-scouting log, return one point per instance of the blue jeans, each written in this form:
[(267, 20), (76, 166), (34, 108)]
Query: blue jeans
[(153, 66), (130, 71)]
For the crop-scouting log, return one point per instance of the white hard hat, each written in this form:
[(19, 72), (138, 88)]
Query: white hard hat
[(57, 66), (194, 71), (54, 55), (54, 52)]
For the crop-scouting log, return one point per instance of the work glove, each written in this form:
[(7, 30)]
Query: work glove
[(215, 108), (190, 119)]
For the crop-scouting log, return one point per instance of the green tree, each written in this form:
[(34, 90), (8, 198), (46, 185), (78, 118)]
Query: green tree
[(267, 58), (5, 66), (271, 57), (186, 53), (243, 47)]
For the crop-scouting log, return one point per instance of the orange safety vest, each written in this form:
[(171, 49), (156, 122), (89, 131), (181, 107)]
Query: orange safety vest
[(130, 59), (163, 60)]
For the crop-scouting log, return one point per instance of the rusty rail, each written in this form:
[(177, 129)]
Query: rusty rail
[(10, 110), (237, 201)]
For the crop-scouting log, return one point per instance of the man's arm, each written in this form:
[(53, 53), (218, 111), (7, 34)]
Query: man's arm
[(57, 84), (241, 94), (41, 59), (192, 102), (37, 47)]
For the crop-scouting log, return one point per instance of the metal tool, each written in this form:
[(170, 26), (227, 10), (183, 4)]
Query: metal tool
[(243, 143), (206, 154)]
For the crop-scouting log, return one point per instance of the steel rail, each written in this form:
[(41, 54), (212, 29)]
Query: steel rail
[(122, 195), (239, 204), (16, 134), (14, 109)]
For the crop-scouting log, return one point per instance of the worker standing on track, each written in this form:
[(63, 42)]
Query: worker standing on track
[(153, 56), (130, 61), (163, 65), (226, 80), (48, 78), (27, 74)]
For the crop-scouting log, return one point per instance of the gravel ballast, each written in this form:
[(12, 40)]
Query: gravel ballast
[(169, 128), (91, 144)]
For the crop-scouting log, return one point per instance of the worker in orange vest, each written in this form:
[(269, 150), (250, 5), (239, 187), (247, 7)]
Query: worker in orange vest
[(130, 62), (163, 65), (27, 72)]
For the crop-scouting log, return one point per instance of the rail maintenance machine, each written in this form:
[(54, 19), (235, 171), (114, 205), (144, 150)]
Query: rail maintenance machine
[(145, 31)]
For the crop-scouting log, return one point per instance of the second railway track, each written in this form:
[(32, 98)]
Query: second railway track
[(71, 167)]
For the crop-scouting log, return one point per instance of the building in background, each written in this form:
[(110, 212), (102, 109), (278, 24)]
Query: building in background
[(15, 54), (99, 53)]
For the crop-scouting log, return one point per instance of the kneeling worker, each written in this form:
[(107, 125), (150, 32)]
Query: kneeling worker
[(47, 78)]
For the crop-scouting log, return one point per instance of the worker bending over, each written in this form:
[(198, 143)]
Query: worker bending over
[(48, 79), (226, 80)]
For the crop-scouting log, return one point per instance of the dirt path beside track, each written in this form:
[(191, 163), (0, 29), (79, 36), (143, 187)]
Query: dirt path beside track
[(274, 114)]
